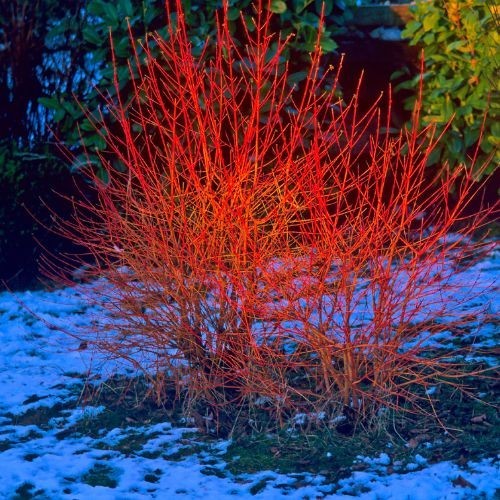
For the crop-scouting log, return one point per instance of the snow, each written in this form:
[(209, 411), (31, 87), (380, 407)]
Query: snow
[(41, 367)]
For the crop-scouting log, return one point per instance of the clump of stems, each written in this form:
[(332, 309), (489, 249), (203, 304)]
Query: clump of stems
[(267, 248)]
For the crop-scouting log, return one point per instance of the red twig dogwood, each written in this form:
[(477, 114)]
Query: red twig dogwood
[(266, 246)]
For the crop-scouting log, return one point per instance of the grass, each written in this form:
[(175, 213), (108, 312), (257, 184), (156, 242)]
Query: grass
[(403, 442), (34, 398), (122, 408), (27, 491), (260, 485), (185, 451), (94, 426), (325, 452), (41, 415), (101, 475), (153, 477), (6, 444)]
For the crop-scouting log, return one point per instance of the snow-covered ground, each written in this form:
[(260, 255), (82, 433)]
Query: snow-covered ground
[(42, 372)]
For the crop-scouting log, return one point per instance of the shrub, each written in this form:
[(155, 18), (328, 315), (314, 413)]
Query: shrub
[(460, 41), (268, 250), (30, 168), (25, 177), (65, 115)]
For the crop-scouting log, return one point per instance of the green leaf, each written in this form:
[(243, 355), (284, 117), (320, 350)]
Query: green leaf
[(249, 22), (126, 7), (455, 145), (411, 28), (404, 71), (95, 8), (82, 160), (495, 129), (297, 77), (151, 13), (494, 140), (90, 34), (300, 5), (59, 115), (458, 44), (429, 38), (327, 44), (102, 173), (58, 29), (431, 21), (277, 7), (435, 156), (447, 108), (470, 136), (72, 109), (49, 102), (110, 14), (122, 47), (328, 5), (437, 58), (94, 140), (87, 126), (233, 14)]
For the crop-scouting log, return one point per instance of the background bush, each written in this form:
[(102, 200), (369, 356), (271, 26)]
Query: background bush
[(33, 63), (297, 17), (27, 178), (460, 41)]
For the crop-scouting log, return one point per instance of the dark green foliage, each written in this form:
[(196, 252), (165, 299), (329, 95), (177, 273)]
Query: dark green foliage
[(301, 17), (461, 42), (26, 178), (68, 108), (101, 475), (126, 18), (34, 61), (29, 67), (26, 491), (472, 434)]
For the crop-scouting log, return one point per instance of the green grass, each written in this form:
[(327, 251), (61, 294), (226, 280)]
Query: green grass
[(41, 415), (95, 426), (317, 450), (101, 475), (153, 477), (185, 451), (33, 399), (260, 485), (214, 471), (5, 445), (27, 491), (324, 451)]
